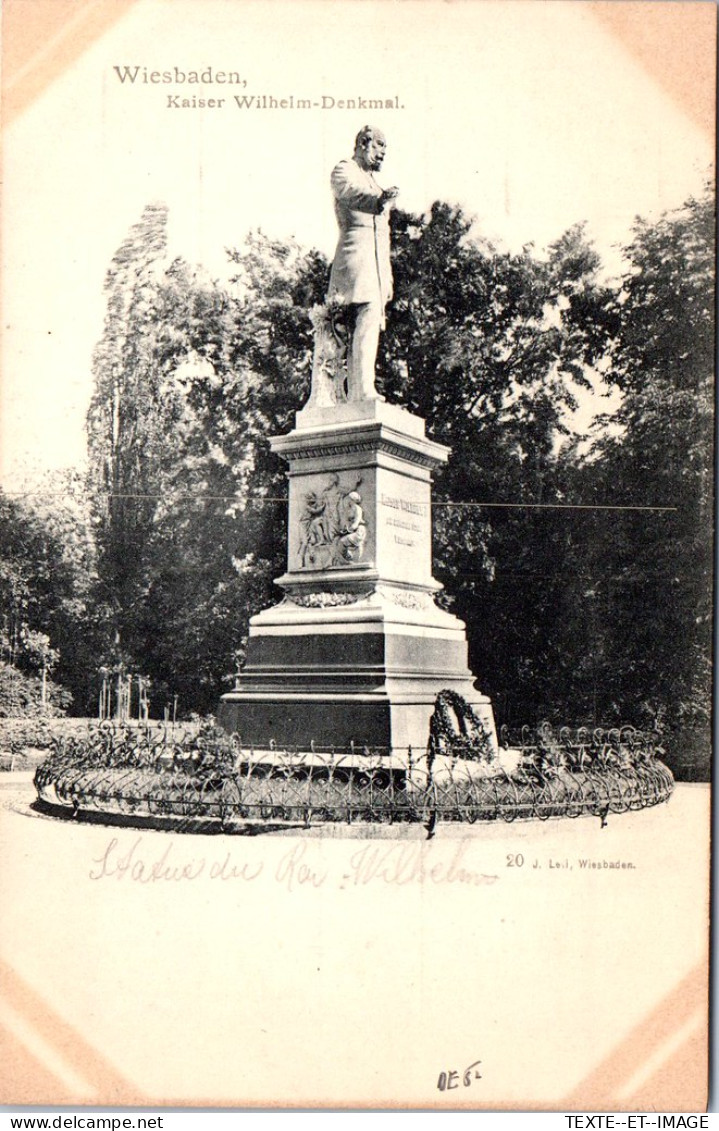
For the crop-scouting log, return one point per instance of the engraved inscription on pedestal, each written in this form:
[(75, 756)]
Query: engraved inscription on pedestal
[(332, 526), (404, 528), (409, 523)]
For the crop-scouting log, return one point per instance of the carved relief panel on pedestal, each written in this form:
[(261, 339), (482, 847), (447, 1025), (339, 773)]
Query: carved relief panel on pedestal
[(332, 527)]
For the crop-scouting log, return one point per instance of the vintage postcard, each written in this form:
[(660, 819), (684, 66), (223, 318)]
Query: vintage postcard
[(356, 554)]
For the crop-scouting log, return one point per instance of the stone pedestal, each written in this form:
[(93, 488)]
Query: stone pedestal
[(357, 650)]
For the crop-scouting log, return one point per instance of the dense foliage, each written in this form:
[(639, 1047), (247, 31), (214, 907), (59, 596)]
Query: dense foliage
[(48, 637), (575, 610)]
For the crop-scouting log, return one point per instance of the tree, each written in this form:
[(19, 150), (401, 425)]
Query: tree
[(43, 584), (147, 446), (124, 421), (654, 567), (190, 378), (220, 538)]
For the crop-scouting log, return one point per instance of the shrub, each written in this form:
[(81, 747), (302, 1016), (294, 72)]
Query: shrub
[(21, 695)]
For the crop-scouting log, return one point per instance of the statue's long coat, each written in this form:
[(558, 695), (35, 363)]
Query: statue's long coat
[(361, 271)]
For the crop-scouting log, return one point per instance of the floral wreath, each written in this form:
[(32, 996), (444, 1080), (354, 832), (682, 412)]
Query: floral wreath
[(472, 742)]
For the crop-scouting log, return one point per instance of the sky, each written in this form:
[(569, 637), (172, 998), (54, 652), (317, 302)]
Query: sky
[(531, 114)]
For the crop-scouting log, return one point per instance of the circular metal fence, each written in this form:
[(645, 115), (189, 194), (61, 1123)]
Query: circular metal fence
[(538, 774)]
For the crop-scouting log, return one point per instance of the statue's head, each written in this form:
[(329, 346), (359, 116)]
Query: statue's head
[(370, 148)]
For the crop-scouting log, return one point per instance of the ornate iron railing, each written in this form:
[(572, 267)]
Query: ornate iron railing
[(540, 774)]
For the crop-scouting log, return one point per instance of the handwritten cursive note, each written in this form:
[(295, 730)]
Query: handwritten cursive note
[(133, 865), (302, 866)]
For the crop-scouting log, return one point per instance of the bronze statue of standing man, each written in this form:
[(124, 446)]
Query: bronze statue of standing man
[(361, 272)]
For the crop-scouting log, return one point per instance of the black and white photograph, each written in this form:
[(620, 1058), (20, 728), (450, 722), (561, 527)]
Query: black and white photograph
[(356, 552)]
